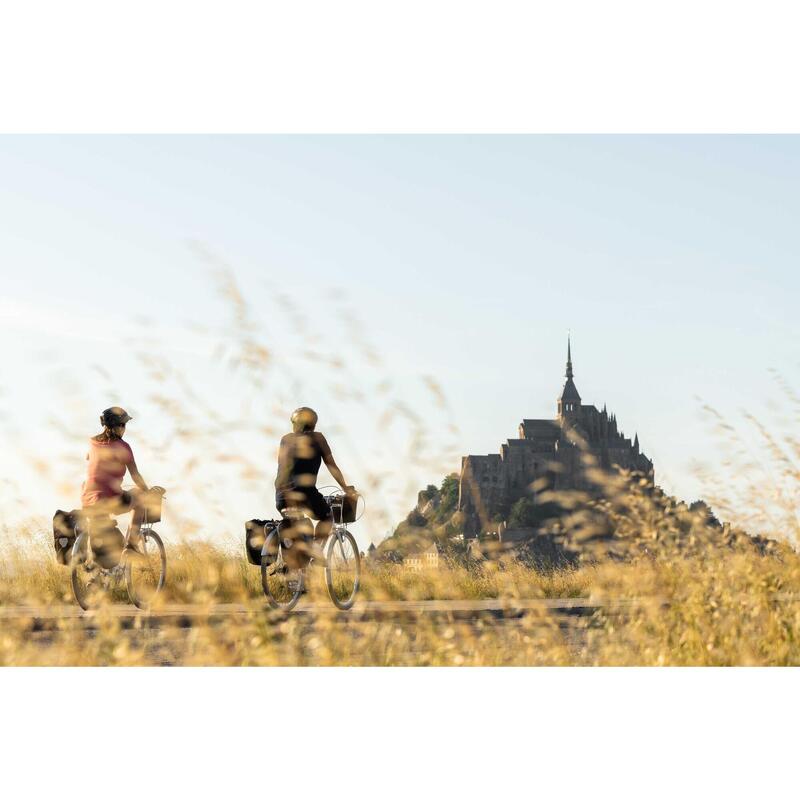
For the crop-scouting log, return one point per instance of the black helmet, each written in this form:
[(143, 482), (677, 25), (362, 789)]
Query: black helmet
[(114, 417), (304, 419)]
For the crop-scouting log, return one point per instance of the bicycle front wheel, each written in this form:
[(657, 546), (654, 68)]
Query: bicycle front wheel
[(282, 584), (342, 569), (146, 574)]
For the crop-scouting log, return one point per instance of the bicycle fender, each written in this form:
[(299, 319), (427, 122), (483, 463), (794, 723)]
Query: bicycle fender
[(81, 547), (264, 546)]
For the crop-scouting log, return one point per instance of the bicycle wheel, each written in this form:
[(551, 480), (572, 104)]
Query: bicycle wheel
[(343, 568), (282, 585), (145, 575), (85, 575)]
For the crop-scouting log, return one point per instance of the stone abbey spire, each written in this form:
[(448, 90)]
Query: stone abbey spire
[(569, 358), (569, 402)]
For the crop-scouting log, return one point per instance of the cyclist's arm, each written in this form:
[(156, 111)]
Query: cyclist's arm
[(284, 465), (327, 458), (136, 476)]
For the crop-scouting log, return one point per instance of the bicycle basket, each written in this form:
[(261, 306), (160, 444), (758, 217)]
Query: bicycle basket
[(64, 535), (344, 507), (152, 500)]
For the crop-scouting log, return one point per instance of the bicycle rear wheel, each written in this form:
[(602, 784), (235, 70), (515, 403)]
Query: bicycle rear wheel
[(342, 569), (85, 575), (282, 584), (145, 575)]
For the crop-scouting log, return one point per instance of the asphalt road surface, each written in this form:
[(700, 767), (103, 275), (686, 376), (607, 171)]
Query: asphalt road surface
[(167, 634), (363, 610)]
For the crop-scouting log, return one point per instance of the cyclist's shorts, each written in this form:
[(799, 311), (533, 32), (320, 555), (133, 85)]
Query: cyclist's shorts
[(306, 498), (121, 504)]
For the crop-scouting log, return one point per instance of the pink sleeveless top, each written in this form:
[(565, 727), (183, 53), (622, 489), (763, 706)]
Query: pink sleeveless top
[(108, 462)]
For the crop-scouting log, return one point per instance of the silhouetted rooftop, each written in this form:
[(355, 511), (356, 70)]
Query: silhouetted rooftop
[(569, 392)]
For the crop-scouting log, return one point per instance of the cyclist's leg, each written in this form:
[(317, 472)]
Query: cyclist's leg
[(132, 501), (293, 506), (322, 512), (286, 501), (99, 515), (323, 530)]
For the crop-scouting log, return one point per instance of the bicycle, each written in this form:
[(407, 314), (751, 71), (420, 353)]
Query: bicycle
[(98, 560), (282, 568)]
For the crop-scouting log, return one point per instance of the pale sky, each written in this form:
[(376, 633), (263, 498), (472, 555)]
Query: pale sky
[(671, 259)]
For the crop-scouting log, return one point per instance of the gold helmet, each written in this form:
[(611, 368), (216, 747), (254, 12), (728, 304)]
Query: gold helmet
[(304, 419)]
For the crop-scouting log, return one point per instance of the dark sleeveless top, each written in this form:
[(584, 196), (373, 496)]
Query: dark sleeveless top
[(302, 459), (308, 463)]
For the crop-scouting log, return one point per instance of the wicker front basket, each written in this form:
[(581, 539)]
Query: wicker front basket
[(152, 501)]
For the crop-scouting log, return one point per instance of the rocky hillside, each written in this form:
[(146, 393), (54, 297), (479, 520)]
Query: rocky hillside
[(634, 521), (433, 519)]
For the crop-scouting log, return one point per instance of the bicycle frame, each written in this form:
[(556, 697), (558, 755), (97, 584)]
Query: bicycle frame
[(337, 532), (82, 548)]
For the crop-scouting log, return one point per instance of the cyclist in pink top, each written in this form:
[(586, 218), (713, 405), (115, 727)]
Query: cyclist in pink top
[(109, 459)]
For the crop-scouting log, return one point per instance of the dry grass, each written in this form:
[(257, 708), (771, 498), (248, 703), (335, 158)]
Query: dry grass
[(719, 607), (201, 572)]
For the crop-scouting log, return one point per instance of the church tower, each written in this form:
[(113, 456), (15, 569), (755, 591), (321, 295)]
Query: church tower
[(569, 402)]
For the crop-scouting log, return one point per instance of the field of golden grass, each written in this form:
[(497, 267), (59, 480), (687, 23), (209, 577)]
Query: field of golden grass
[(716, 607)]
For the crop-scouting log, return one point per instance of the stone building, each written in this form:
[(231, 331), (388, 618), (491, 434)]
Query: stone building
[(546, 456), (422, 561)]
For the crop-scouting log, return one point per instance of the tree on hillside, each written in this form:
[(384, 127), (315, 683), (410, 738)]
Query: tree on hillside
[(415, 519), (526, 513), (523, 514), (449, 492), (429, 492), (702, 509)]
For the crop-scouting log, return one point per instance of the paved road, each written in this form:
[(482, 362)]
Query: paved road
[(167, 635), (235, 609), (366, 609)]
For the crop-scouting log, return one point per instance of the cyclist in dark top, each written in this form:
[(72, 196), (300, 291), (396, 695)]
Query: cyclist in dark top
[(299, 458)]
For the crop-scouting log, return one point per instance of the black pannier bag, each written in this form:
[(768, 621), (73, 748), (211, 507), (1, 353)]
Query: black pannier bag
[(107, 544), (64, 535), (255, 535)]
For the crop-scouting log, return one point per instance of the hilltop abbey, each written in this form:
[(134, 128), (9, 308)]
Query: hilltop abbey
[(545, 456)]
